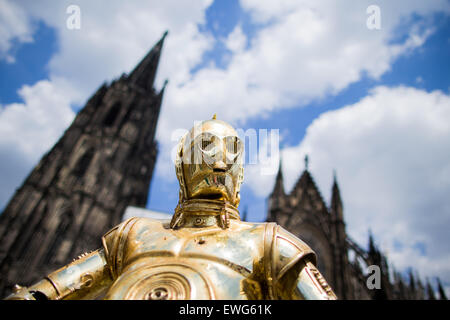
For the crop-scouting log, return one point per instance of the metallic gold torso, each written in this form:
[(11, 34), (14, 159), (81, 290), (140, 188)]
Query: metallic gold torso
[(145, 259), (188, 263), (204, 252)]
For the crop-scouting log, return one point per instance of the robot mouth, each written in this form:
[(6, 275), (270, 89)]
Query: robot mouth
[(212, 186), (212, 196), (219, 170)]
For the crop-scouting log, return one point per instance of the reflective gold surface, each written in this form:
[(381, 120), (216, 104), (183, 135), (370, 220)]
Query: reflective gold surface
[(211, 162), (204, 252)]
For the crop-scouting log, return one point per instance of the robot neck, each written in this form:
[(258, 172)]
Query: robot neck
[(198, 213)]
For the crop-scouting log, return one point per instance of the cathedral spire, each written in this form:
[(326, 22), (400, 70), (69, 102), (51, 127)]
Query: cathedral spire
[(430, 291), (144, 74), (412, 282), (336, 201), (277, 198), (442, 295), (420, 289), (102, 164), (278, 190), (161, 92), (372, 248), (244, 214)]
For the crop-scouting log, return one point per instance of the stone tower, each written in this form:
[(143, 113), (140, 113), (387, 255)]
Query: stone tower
[(102, 164), (304, 213), (343, 263), (341, 276)]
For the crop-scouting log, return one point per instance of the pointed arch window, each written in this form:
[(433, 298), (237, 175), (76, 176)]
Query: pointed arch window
[(60, 234), (83, 162), (34, 235), (111, 116)]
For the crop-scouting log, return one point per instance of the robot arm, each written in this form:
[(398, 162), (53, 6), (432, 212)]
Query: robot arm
[(310, 284), (84, 278), (294, 272)]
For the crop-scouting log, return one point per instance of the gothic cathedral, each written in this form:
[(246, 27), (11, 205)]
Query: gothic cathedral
[(79, 190), (342, 262), (104, 163)]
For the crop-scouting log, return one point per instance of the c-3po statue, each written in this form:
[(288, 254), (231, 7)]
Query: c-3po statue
[(204, 252)]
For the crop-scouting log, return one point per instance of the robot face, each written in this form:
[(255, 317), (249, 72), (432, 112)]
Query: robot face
[(212, 167)]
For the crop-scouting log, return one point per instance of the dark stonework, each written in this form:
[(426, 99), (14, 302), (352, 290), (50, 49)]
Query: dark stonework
[(81, 187), (342, 262), (104, 163)]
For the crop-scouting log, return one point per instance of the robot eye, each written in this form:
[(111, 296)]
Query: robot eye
[(207, 142), (232, 144)]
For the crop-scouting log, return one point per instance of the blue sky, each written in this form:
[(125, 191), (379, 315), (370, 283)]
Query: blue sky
[(31, 63), (427, 68), (371, 104)]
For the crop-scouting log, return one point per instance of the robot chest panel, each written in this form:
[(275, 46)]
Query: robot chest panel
[(188, 264), (236, 252), (175, 278)]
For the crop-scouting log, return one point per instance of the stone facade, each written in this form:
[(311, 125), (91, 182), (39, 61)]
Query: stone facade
[(342, 262), (80, 189), (104, 163)]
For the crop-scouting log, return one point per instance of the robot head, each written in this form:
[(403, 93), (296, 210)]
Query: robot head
[(209, 163)]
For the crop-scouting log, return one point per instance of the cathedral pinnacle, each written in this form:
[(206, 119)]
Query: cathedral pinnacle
[(144, 73)]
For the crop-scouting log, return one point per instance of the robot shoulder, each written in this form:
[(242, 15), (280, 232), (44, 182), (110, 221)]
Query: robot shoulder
[(115, 239), (287, 250)]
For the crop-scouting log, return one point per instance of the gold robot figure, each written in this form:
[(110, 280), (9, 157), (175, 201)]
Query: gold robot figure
[(204, 252)]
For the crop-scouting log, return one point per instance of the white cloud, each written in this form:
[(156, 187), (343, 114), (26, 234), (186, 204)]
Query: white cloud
[(113, 37), (306, 51), (29, 129), (236, 40), (14, 26), (43, 116), (302, 51), (392, 160)]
